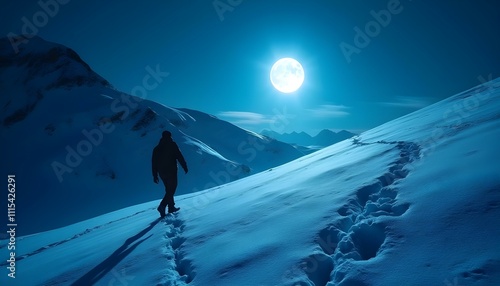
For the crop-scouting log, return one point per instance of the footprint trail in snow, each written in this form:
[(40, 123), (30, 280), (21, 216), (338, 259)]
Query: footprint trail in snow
[(179, 270), (358, 235)]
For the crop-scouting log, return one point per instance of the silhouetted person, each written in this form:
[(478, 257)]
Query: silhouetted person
[(165, 157)]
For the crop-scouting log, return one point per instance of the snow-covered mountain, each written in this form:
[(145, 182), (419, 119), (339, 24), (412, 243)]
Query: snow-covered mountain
[(324, 138), (81, 148), (415, 201)]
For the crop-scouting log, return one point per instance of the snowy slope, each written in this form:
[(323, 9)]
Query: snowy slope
[(415, 201), (81, 148)]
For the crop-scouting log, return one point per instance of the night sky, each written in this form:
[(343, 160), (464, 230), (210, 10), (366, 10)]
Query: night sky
[(365, 62)]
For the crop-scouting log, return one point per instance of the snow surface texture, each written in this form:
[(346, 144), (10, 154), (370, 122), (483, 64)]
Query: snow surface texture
[(415, 201), (80, 148)]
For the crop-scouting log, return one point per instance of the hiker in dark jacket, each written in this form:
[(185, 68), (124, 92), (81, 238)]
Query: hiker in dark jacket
[(164, 162)]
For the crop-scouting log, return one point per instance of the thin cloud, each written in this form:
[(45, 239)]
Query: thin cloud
[(329, 111), (410, 102), (245, 117)]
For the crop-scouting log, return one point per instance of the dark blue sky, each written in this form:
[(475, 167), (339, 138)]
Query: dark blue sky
[(218, 53)]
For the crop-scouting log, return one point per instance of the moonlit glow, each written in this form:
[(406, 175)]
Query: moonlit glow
[(287, 75)]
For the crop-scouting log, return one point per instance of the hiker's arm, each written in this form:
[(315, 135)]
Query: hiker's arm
[(181, 159)]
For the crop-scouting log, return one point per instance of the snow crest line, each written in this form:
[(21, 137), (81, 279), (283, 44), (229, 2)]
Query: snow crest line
[(179, 269), (88, 230), (357, 235)]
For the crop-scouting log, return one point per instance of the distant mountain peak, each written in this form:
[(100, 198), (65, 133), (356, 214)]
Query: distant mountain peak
[(326, 131), (324, 138)]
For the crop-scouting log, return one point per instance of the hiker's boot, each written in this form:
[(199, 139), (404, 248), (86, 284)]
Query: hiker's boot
[(173, 209), (161, 210)]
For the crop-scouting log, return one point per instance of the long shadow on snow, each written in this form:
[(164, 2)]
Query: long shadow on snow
[(94, 275)]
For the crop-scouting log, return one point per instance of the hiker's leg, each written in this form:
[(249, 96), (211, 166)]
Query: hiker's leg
[(170, 188)]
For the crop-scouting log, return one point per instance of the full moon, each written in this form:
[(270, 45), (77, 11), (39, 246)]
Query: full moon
[(287, 75)]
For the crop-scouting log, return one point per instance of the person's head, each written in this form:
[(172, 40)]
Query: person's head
[(166, 134)]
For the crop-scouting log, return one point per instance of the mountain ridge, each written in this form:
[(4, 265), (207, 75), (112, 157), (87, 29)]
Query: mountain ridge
[(324, 138), (78, 139)]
